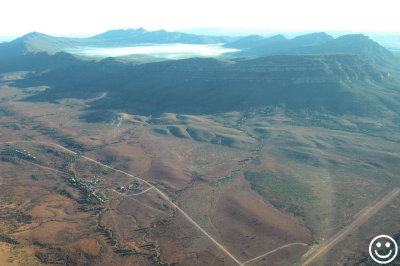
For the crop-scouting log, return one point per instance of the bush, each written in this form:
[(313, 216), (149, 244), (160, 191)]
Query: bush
[(7, 239)]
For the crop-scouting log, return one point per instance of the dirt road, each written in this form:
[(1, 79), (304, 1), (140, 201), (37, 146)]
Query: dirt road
[(310, 256), (360, 218), (162, 194), (273, 251)]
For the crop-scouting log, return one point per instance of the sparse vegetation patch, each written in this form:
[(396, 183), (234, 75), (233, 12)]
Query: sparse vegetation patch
[(283, 191)]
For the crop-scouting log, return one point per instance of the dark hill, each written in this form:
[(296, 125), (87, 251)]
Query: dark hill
[(37, 62), (358, 44), (35, 52), (341, 84), (28, 53), (39, 42), (318, 72)]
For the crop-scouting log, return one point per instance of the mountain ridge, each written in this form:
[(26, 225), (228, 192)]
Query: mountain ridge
[(335, 83), (252, 45), (40, 42), (140, 35), (315, 43), (345, 75)]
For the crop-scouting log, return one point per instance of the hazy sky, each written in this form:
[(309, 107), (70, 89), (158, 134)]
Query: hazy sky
[(83, 17)]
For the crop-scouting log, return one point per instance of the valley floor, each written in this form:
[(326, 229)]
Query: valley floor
[(256, 188)]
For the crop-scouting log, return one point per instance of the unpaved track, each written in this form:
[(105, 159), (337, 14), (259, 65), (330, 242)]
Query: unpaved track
[(162, 194), (144, 191), (361, 218), (130, 195), (273, 251)]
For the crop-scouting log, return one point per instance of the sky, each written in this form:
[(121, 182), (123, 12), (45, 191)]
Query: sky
[(88, 17)]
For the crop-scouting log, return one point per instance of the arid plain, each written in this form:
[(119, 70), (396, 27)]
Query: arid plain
[(188, 189)]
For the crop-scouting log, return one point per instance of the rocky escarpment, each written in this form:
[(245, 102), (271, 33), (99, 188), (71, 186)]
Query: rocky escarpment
[(334, 83), (313, 68)]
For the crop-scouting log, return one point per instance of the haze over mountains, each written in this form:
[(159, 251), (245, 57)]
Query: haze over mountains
[(358, 44), (39, 42), (348, 75)]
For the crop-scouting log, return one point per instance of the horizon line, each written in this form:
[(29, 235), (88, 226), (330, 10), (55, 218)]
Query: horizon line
[(218, 31)]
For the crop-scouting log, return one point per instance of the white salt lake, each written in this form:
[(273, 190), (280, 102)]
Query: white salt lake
[(169, 51)]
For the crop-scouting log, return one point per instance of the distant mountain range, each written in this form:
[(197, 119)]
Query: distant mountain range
[(39, 42), (132, 36), (347, 75), (254, 45), (315, 43)]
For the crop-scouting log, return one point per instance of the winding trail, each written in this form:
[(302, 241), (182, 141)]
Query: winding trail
[(361, 217), (162, 194)]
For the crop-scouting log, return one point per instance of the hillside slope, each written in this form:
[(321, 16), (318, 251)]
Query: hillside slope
[(334, 83)]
